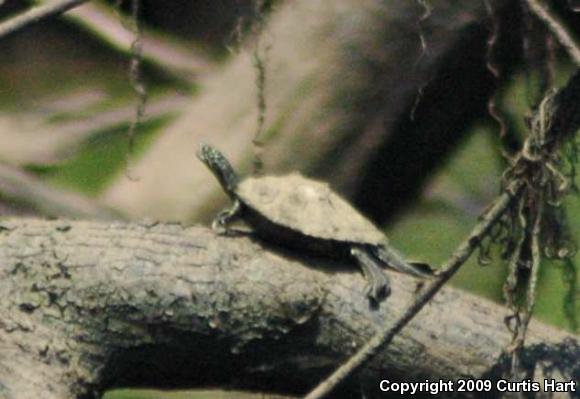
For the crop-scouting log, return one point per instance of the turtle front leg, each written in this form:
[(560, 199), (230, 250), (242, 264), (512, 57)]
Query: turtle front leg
[(378, 286), (220, 223)]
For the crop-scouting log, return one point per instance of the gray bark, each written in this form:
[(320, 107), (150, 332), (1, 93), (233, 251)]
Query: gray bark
[(87, 306)]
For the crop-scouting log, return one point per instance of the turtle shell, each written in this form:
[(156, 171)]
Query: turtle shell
[(308, 207)]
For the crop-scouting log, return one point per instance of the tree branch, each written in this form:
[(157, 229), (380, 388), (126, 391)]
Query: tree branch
[(89, 306), (37, 14), (170, 55), (557, 29)]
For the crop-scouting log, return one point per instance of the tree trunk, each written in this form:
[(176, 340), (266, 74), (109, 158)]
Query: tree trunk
[(89, 306)]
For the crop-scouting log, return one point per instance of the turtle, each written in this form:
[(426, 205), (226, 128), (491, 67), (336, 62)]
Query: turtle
[(301, 213)]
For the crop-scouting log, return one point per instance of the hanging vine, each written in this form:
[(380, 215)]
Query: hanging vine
[(135, 78), (535, 226)]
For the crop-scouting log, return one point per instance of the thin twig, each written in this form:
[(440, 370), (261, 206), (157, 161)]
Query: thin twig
[(427, 10), (260, 66), (385, 336), (520, 338), (259, 58), (493, 68), (564, 37), (137, 83), (37, 14)]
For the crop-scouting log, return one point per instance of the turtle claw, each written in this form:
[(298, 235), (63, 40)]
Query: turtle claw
[(378, 289), (220, 223), (219, 227)]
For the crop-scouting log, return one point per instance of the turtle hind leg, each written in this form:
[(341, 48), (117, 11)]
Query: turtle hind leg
[(393, 259), (378, 286), (220, 223)]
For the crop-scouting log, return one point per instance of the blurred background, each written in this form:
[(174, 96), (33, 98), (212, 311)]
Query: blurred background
[(387, 101)]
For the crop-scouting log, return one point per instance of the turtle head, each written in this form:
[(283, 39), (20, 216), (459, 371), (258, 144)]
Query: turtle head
[(220, 167)]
